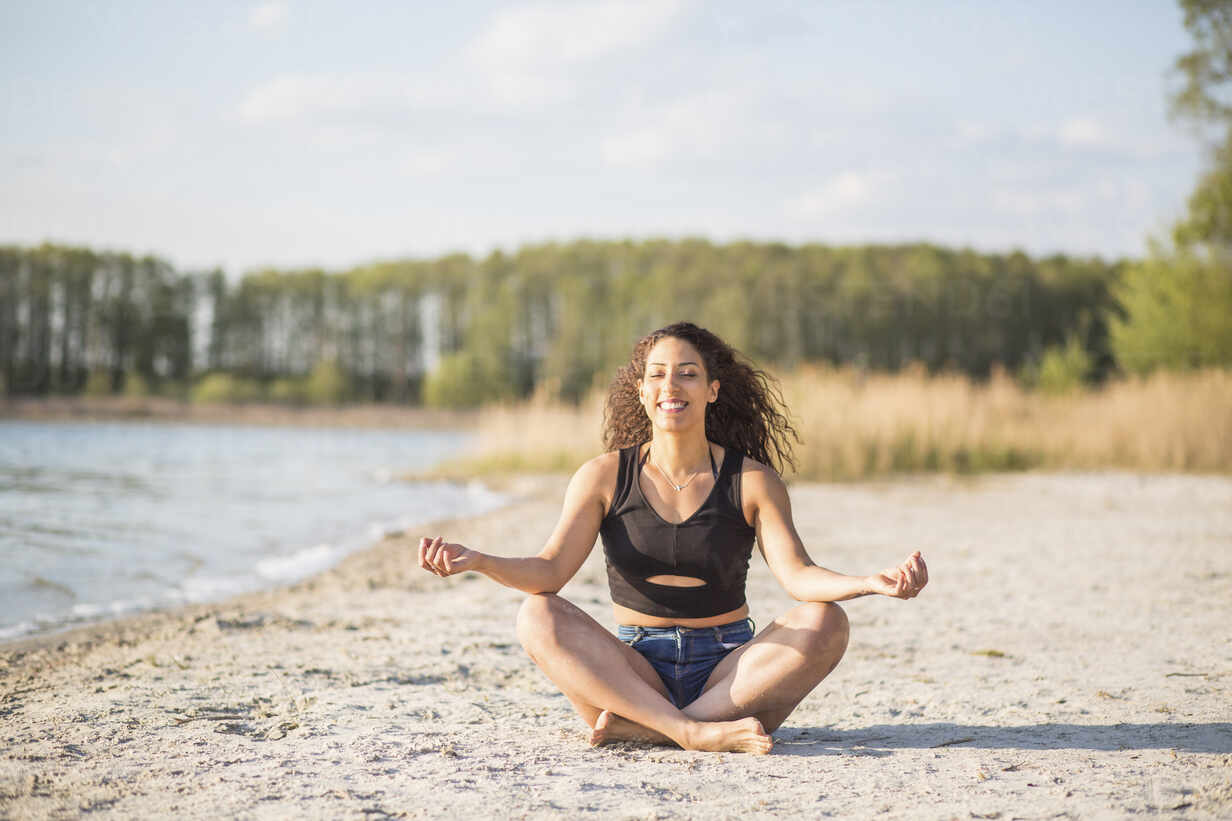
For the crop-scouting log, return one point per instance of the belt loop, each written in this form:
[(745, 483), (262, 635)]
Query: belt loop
[(638, 635), (752, 624), (718, 635)]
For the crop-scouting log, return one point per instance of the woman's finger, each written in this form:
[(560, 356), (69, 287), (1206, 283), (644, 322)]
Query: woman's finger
[(423, 553), (913, 571), (446, 560), (442, 550), (434, 550)]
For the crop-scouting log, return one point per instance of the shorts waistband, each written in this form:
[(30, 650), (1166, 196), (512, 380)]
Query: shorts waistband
[(635, 632)]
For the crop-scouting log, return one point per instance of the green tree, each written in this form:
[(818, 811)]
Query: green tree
[(1063, 368), (558, 316), (1205, 95), (1178, 301), (459, 381), (1178, 306), (326, 385), (223, 387)]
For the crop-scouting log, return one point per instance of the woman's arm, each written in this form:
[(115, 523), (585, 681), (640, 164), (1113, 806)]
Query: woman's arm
[(566, 549), (765, 495)]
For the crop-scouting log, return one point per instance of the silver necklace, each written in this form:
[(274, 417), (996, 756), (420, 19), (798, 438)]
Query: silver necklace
[(663, 473)]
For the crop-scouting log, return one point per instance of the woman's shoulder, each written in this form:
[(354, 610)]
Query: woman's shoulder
[(751, 468), (597, 477), (759, 484), (603, 466)]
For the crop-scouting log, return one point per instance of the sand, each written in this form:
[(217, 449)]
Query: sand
[(1071, 657)]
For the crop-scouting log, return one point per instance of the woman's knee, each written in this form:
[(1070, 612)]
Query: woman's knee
[(537, 618), (824, 628)]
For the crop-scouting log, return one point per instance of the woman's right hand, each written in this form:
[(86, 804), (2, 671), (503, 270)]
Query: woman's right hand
[(902, 582), (444, 559)]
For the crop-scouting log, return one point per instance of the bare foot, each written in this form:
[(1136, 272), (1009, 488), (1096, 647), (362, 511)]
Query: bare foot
[(743, 736), (610, 727)]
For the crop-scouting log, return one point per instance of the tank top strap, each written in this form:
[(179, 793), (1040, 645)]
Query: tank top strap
[(729, 480), (729, 463), (626, 475)]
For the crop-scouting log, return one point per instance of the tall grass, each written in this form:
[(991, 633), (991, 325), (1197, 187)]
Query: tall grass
[(857, 425), (539, 435)]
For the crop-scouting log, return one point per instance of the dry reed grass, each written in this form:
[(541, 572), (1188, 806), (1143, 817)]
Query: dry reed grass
[(857, 425)]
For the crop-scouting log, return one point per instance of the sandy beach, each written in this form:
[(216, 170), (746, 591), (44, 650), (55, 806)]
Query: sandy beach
[(1071, 657)]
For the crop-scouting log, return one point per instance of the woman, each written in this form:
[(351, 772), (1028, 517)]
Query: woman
[(681, 496)]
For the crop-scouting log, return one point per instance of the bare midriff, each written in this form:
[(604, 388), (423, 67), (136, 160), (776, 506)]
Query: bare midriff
[(626, 616)]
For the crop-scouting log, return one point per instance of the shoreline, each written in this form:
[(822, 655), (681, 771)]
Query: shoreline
[(1060, 662), (68, 579), (90, 632), (161, 409)]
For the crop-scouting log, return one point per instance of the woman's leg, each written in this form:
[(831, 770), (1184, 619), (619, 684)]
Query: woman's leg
[(765, 678), (598, 672)]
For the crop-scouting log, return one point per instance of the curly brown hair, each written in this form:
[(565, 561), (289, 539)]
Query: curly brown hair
[(749, 414)]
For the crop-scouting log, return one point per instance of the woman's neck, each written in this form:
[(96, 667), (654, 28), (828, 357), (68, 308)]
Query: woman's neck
[(680, 454)]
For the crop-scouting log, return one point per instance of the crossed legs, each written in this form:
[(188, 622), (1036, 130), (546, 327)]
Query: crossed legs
[(749, 694)]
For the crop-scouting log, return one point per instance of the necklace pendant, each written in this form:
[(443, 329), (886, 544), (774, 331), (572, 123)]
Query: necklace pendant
[(667, 478)]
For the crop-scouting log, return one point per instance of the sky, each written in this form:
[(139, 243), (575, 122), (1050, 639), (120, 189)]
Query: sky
[(296, 133)]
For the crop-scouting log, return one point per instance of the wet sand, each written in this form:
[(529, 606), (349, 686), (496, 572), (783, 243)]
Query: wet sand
[(1071, 657)]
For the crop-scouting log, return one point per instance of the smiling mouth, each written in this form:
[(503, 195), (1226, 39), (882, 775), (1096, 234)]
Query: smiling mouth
[(672, 405)]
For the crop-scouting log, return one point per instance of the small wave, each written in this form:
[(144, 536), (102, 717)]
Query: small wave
[(299, 564), (208, 588), (119, 607), (22, 628), (87, 611)]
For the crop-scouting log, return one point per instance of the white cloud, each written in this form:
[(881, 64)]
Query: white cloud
[(268, 15), (1075, 132), (850, 189), (289, 96), (970, 131), (697, 127), (526, 55), (426, 163), (531, 36), (1082, 132), (636, 149), (292, 95), (346, 137), (1101, 195), (1025, 203)]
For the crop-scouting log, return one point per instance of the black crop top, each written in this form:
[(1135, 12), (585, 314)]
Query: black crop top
[(714, 545)]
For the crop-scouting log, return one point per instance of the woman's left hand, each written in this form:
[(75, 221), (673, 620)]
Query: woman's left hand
[(902, 582)]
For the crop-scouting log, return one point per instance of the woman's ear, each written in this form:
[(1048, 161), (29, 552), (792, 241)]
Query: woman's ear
[(714, 391)]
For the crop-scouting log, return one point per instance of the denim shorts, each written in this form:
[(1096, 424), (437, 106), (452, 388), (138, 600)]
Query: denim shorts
[(684, 657)]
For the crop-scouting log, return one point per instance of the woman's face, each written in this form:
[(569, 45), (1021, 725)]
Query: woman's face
[(674, 388)]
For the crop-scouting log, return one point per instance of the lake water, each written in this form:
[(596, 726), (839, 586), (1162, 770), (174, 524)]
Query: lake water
[(103, 519)]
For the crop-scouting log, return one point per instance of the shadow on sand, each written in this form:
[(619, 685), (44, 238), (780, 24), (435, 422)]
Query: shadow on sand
[(881, 739)]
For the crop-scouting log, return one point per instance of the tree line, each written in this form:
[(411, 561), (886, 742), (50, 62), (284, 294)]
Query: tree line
[(458, 331)]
